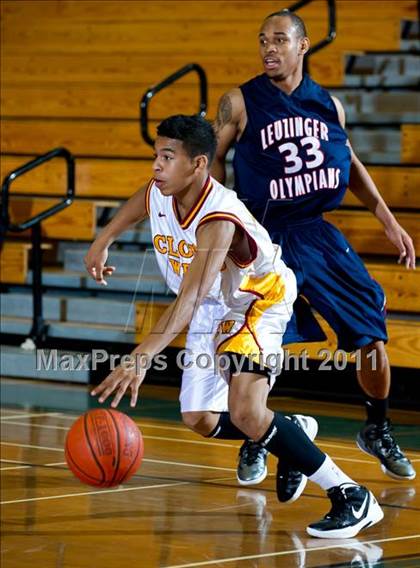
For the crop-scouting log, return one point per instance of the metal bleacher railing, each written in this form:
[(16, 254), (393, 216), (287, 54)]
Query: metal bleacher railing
[(39, 328), (170, 80)]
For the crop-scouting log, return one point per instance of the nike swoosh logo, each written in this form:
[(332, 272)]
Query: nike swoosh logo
[(161, 215), (358, 514)]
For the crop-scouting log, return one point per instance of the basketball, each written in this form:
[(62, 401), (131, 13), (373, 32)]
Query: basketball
[(104, 448)]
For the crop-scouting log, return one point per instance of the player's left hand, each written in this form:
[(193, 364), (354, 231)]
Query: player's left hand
[(119, 381), (404, 243)]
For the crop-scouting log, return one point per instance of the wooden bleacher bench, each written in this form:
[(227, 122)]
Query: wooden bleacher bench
[(399, 186), (403, 346), (14, 261), (78, 221), (238, 11), (47, 35), (401, 286), (147, 315), (99, 100), (410, 143), (96, 178), (142, 69), (366, 234), (84, 138)]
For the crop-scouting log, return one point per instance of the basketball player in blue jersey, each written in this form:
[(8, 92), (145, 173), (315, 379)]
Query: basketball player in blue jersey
[(293, 162), (208, 245)]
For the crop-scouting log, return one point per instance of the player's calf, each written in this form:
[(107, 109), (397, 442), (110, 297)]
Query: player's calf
[(201, 422)]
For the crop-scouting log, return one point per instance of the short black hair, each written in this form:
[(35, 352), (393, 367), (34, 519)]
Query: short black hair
[(297, 22), (196, 134)]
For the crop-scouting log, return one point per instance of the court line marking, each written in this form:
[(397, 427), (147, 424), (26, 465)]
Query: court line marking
[(178, 440), (117, 490), (24, 465), (9, 417), (201, 442), (148, 460), (336, 458), (28, 466), (163, 438), (101, 492), (289, 552), (350, 445)]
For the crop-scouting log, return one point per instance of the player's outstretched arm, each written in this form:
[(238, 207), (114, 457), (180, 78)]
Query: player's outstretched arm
[(133, 211), (213, 242), (364, 188), (229, 119)]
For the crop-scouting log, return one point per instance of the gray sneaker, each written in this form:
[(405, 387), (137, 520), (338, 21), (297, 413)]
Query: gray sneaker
[(378, 441), (252, 468)]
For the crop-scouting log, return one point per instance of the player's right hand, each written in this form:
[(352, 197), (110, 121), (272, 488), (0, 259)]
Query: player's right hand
[(95, 262)]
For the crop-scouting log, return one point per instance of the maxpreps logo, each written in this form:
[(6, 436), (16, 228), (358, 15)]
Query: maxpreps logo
[(176, 252)]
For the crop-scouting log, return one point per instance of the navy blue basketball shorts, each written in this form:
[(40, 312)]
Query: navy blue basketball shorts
[(334, 280)]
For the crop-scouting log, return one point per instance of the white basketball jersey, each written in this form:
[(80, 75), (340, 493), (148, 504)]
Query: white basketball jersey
[(175, 240)]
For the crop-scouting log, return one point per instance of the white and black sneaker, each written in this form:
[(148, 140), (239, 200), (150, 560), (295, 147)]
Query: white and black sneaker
[(354, 508), (290, 483)]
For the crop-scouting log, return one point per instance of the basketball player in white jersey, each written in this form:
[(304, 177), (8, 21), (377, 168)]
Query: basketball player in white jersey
[(212, 252)]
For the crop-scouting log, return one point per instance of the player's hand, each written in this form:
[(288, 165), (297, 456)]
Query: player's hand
[(95, 262), (404, 243), (118, 382)]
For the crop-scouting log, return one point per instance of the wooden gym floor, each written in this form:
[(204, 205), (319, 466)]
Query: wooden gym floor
[(184, 508)]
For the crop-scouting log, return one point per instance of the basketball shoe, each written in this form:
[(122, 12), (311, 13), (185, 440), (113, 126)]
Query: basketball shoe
[(354, 508), (252, 465), (379, 442), (290, 483)]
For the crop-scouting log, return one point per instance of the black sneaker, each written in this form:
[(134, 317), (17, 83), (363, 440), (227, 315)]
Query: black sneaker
[(379, 442), (354, 508), (252, 467), (290, 483)]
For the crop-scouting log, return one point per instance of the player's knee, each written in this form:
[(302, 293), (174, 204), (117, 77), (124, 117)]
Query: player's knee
[(203, 422)]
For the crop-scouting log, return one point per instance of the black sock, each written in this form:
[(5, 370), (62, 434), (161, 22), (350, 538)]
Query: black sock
[(290, 443), (376, 409), (226, 430)]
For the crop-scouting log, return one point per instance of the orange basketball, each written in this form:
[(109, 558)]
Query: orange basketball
[(104, 447)]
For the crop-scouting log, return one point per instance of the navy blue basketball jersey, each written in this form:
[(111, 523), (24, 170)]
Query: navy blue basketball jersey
[(291, 162)]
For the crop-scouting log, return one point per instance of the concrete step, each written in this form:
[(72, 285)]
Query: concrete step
[(90, 310), (378, 145), (136, 236), (410, 44), (20, 305), (100, 311), (375, 80), (126, 263), (393, 106), (59, 278), (17, 362), (386, 64), (72, 330)]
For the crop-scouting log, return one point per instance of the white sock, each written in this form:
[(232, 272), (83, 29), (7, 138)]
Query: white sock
[(330, 475)]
